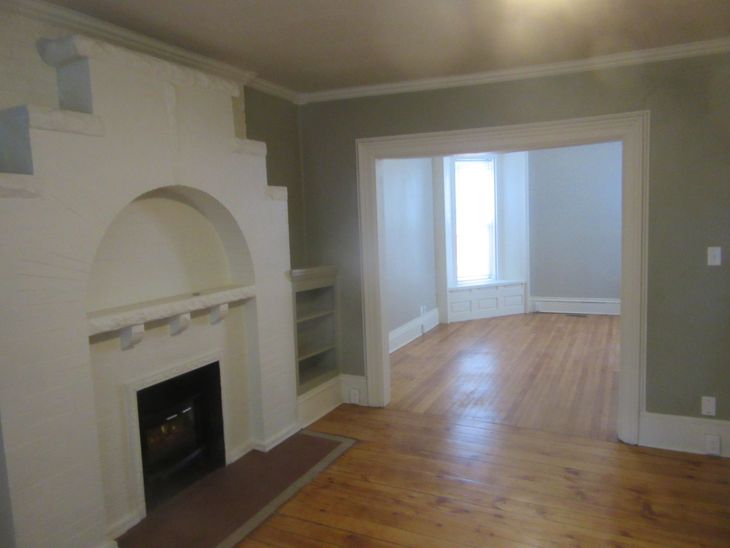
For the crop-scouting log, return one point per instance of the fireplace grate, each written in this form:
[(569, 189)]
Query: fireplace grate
[(181, 432)]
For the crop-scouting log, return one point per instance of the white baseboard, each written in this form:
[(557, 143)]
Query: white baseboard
[(401, 336), (410, 331), (560, 305), (272, 441), (122, 525), (235, 453), (430, 320), (680, 433), (348, 383), (319, 401)]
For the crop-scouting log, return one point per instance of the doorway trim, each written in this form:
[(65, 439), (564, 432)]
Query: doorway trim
[(631, 129)]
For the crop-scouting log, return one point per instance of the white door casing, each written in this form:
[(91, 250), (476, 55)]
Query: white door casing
[(631, 129)]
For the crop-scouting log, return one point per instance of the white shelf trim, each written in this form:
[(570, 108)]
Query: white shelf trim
[(113, 319), (316, 352), (315, 315)]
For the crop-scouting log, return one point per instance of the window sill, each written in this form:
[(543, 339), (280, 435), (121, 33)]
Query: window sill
[(484, 283)]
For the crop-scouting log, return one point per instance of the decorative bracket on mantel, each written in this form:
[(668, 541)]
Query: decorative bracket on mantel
[(129, 320)]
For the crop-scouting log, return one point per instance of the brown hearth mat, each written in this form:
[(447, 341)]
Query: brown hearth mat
[(229, 503)]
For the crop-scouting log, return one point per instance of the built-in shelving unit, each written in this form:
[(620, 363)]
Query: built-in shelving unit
[(315, 312)]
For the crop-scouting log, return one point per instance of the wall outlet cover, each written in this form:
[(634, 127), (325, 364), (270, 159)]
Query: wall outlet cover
[(354, 395), (708, 406), (714, 256), (712, 444)]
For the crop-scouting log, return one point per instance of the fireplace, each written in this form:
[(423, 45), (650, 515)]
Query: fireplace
[(141, 241), (181, 432)]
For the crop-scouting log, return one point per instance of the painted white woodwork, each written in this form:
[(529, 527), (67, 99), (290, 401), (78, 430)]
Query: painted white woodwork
[(112, 319), (148, 130), (60, 17), (563, 305), (179, 323), (488, 300), (631, 129), (410, 331), (316, 325), (132, 335), (595, 63), (317, 402), (354, 385), (680, 433), (218, 313)]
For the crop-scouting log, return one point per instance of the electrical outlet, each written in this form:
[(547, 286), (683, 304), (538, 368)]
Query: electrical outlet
[(424, 308), (708, 406), (354, 395), (712, 444), (714, 256)]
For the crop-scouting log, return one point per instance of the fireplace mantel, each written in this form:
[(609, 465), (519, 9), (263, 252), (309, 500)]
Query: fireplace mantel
[(114, 319)]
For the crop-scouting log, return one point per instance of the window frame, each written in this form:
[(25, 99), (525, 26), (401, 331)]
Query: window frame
[(450, 220)]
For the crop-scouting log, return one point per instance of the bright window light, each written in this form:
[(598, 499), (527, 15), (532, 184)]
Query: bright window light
[(474, 211)]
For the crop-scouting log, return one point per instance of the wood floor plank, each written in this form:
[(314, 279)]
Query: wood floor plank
[(510, 520), (546, 371), (565, 488), (323, 534), (408, 512), (424, 480), (502, 433)]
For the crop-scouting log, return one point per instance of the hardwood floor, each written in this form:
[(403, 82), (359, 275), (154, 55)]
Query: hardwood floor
[(426, 480), (497, 435), (550, 372)]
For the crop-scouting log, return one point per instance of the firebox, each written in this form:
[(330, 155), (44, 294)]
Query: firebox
[(181, 432)]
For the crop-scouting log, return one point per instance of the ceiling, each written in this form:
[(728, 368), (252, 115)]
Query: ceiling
[(317, 45)]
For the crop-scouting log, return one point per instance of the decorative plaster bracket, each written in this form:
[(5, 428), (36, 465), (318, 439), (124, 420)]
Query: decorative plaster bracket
[(132, 335), (179, 323), (217, 313)]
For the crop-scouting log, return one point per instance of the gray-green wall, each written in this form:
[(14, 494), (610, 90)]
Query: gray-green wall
[(688, 346), (275, 122), (408, 246), (7, 533), (575, 221)]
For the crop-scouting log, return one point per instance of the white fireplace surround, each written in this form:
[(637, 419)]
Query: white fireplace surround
[(139, 240)]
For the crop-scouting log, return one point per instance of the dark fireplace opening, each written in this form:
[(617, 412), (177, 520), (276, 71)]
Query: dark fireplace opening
[(181, 432)]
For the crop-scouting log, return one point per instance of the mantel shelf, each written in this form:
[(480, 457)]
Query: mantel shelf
[(114, 319)]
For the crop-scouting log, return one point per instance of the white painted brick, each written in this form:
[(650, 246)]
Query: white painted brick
[(49, 244)]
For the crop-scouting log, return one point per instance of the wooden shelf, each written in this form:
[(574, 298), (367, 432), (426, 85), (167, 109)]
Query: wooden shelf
[(315, 316), (314, 377), (315, 301), (317, 352)]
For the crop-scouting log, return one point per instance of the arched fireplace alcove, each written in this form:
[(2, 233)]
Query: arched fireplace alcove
[(169, 246)]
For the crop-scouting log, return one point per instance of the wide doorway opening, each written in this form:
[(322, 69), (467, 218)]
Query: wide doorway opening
[(511, 334), (502, 286)]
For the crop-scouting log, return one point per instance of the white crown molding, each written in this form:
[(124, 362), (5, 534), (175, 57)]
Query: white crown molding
[(602, 62), (95, 28), (270, 88)]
